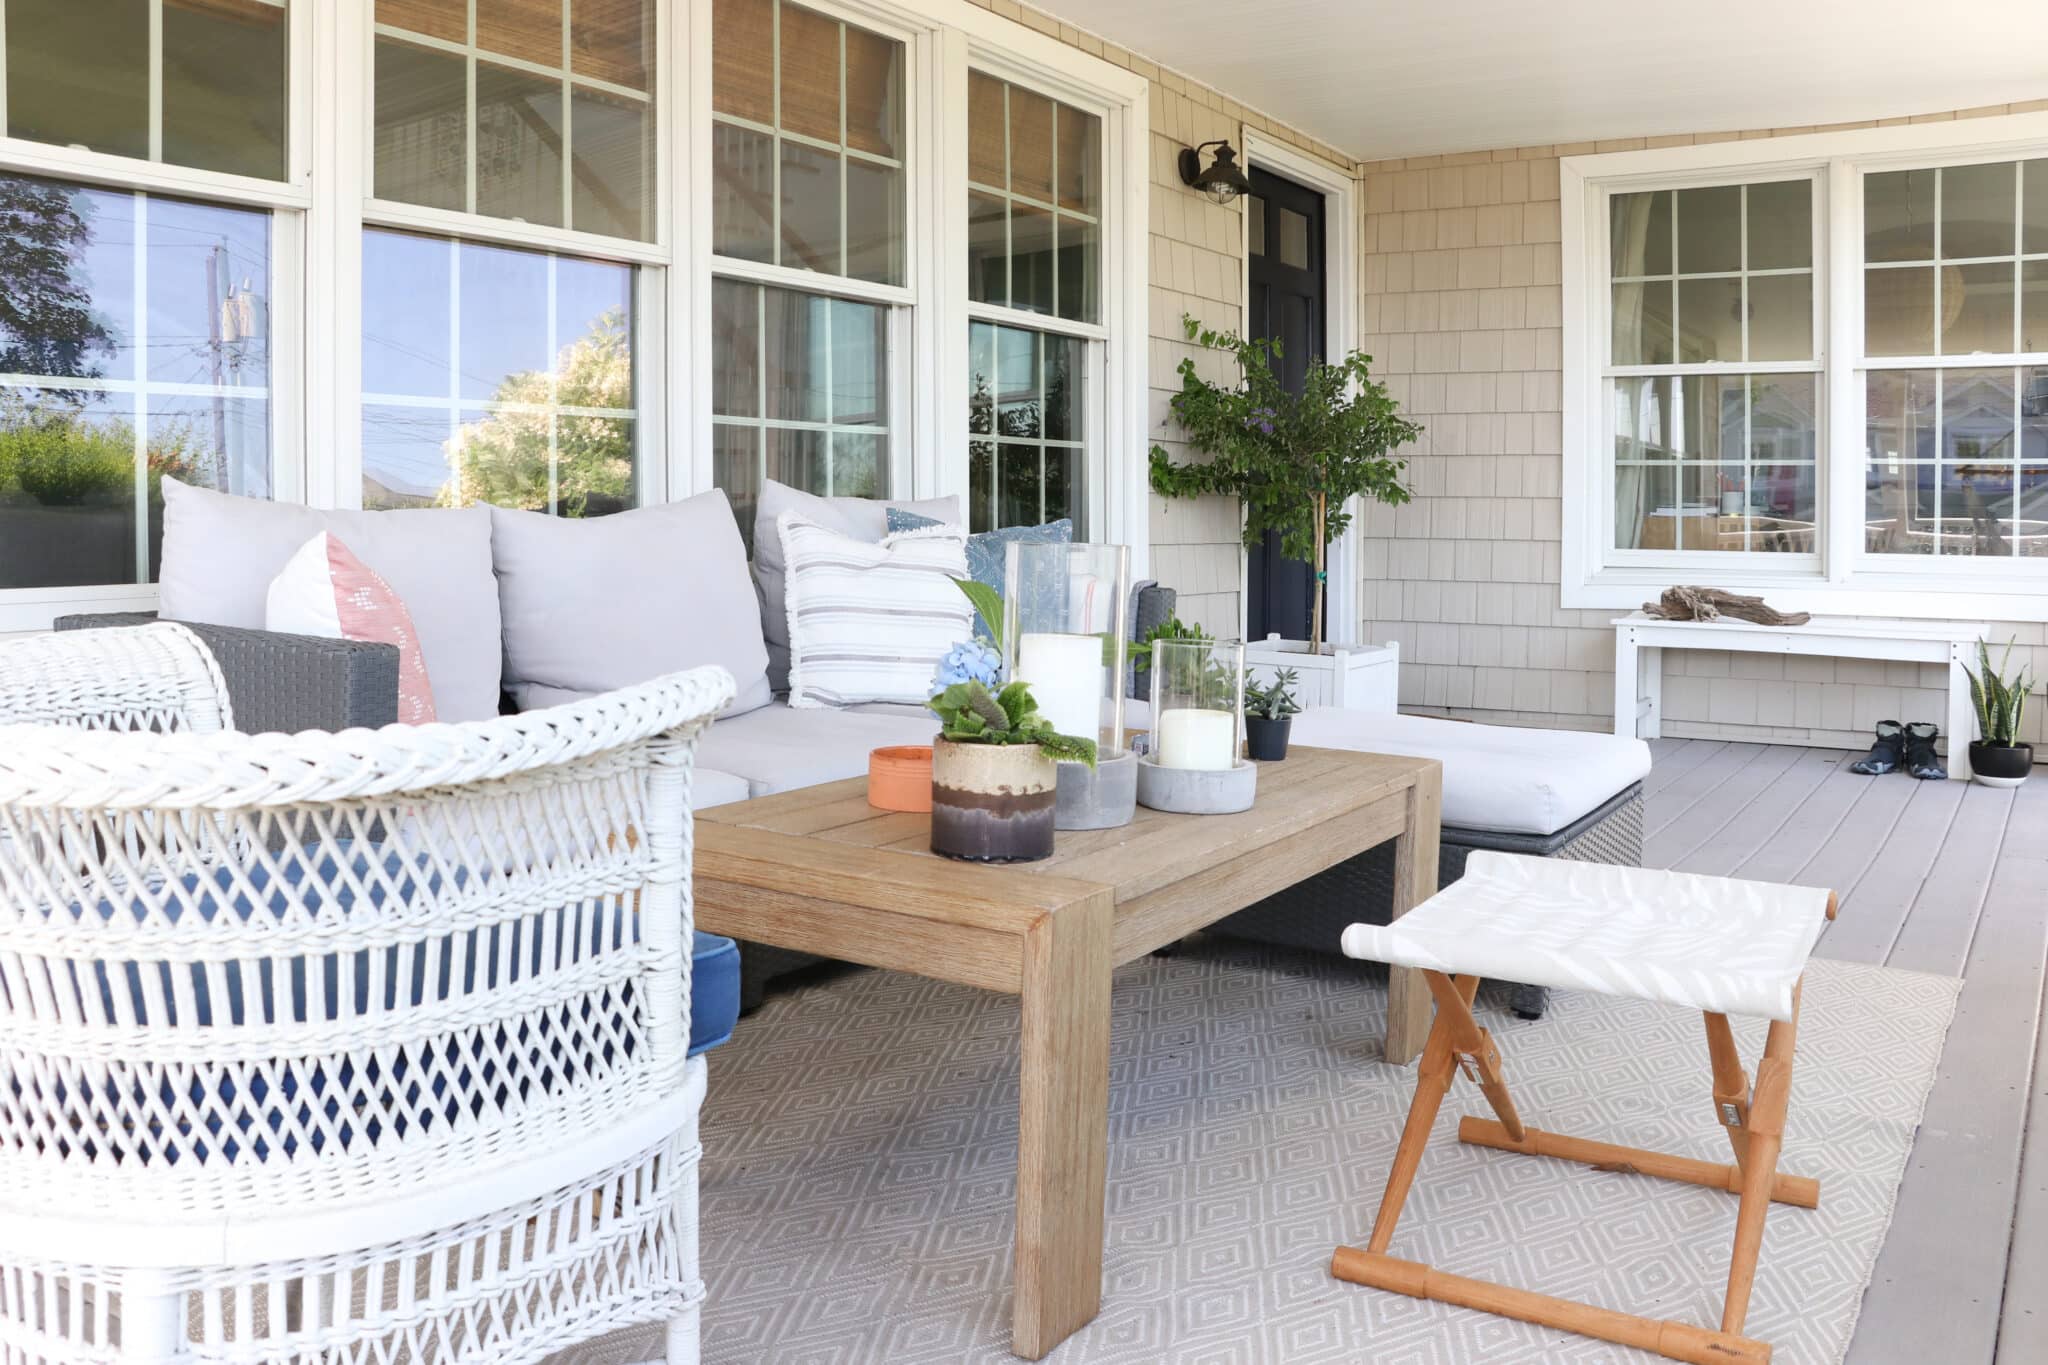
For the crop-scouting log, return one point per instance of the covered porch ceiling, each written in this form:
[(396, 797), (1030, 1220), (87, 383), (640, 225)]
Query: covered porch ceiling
[(1381, 80)]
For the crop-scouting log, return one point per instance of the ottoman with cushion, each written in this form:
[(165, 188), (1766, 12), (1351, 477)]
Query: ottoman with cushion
[(1568, 794)]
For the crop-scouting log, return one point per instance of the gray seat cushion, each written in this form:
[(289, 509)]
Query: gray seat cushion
[(778, 749), (709, 787)]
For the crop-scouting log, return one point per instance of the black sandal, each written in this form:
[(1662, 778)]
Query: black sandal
[(1921, 760), (1886, 754)]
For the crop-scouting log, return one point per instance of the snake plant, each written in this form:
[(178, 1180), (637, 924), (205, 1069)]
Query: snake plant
[(2000, 698)]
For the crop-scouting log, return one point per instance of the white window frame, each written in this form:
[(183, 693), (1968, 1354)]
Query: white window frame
[(1841, 578), (288, 201)]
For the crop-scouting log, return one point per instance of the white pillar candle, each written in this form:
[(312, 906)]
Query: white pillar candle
[(1195, 738), (1066, 677)]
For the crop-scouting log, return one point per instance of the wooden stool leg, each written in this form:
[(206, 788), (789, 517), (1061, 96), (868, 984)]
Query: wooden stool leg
[(1433, 1078), (1454, 1002), (1731, 1085), (1765, 1134)]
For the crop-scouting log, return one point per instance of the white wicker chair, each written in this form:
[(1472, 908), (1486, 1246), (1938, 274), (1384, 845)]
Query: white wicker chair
[(156, 677), (358, 1047)]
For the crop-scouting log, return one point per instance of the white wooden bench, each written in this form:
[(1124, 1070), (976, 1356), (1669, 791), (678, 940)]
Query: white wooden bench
[(1640, 642)]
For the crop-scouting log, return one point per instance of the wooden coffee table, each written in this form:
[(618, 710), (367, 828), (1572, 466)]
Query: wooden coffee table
[(821, 871)]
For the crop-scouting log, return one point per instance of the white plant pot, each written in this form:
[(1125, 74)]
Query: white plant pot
[(1354, 677)]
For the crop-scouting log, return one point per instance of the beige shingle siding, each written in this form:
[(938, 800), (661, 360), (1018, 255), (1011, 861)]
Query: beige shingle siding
[(1462, 310)]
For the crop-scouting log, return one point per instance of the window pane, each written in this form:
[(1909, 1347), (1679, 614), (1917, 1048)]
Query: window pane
[(612, 40), (224, 74), (2034, 305), (1639, 233), (1780, 221), (421, 133), (810, 208), (612, 172), (987, 131), (79, 74), (541, 350), (794, 345), (1065, 384), (981, 486), (988, 249), (2030, 533), (1642, 324), (1646, 512), (1031, 144), (1898, 311), (1710, 229), (1745, 475), (176, 388), (742, 193), (1079, 263), (1781, 317), (798, 458), (736, 468), (874, 93), (518, 145), (1710, 319), (1976, 308), (1015, 139), (1080, 161), (2034, 206), (1031, 258), (859, 465), (860, 357), (1898, 216), (447, 19), (1029, 389), (736, 349), (1710, 417), (530, 30), (1976, 210), (1642, 420), (743, 70), (810, 73), (874, 221)]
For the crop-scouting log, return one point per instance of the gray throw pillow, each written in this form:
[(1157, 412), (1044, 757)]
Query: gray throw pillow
[(862, 518), (592, 605), (220, 553)]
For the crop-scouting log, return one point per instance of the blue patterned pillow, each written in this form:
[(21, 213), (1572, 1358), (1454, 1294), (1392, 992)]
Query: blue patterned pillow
[(988, 553)]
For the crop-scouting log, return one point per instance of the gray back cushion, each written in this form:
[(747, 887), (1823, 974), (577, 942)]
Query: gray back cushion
[(220, 553), (865, 518), (591, 605)]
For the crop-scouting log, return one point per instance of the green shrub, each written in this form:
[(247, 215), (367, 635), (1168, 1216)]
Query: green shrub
[(61, 461)]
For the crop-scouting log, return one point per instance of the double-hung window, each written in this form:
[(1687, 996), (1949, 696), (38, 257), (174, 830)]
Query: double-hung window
[(1813, 365)]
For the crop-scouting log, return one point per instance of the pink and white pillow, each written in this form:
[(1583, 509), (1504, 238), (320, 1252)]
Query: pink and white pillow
[(325, 590)]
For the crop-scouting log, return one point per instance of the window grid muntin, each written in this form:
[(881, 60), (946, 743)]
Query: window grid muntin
[(1080, 416), (474, 53), (1678, 370), (454, 404), (141, 387), (843, 150)]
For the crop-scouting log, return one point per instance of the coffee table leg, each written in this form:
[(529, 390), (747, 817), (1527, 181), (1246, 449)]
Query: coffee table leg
[(1062, 1124), (1415, 871)]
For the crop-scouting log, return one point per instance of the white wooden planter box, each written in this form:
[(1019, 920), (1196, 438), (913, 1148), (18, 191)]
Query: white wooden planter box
[(1355, 677)]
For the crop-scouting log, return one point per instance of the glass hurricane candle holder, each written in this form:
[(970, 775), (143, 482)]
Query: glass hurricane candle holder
[(1197, 703), (1066, 628)]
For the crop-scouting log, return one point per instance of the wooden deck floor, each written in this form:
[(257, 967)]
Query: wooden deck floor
[(1945, 877)]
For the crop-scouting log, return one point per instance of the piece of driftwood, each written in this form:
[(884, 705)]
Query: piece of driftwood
[(1711, 604)]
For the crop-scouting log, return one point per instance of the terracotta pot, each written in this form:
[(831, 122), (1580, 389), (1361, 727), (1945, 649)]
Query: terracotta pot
[(2000, 765), (993, 803), (900, 778)]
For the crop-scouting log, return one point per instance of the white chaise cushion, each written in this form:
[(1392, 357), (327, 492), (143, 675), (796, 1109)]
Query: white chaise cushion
[(1707, 943), (1499, 778)]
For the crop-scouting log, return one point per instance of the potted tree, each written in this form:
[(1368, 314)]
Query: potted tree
[(1997, 757), (995, 774), (1294, 462), (1269, 710)]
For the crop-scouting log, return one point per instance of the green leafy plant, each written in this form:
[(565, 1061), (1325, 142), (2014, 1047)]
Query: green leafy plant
[(2000, 698), (1293, 461), (1274, 700), (971, 714)]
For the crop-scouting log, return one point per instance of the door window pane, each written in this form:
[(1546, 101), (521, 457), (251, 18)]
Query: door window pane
[(1020, 144), (1028, 389), (564, 129), (800, 394), (79, 75), (496, 375), (150, 318), (808, 142)]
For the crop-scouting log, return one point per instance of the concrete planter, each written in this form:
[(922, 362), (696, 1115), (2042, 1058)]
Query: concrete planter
[(1103, 797), (1197, 791), (993, 803)]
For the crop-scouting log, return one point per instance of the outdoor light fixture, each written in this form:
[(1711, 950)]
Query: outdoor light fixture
[(1223, 181)]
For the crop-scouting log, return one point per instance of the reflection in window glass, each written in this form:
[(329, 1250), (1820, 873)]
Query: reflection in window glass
[(1026, 428), (1716, 462), (563, 126), (799, 394), (135, 337), (807, 135), (496, 375), (1941, 248), (80, 75), (1035, 206)]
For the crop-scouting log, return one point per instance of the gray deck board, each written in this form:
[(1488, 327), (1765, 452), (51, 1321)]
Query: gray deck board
[(1940, 877)]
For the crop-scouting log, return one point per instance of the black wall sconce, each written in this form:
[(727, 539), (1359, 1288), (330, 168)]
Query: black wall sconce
[(1223, 181)]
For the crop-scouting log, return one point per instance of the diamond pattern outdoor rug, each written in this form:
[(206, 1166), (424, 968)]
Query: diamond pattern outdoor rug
[(860, 1144)]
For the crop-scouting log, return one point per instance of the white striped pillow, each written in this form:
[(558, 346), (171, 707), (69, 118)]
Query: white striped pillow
[(869, 622)]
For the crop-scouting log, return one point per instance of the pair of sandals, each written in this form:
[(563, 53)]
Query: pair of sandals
[(1903, 746)]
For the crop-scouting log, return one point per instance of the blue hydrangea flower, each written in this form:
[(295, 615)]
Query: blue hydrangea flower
[(968, 661)]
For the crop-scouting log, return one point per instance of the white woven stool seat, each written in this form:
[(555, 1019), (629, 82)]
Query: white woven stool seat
[(1707, 943)]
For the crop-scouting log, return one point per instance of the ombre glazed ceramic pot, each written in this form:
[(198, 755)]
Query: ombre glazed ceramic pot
[(993, 803)]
